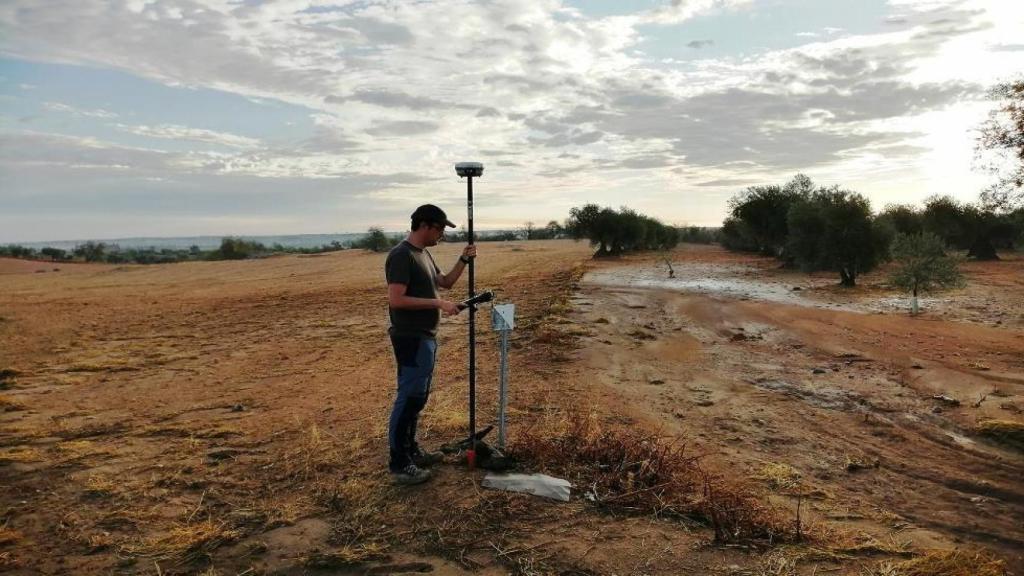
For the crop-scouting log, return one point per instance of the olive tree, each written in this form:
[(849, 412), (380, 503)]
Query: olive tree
[(763, 212), (834, 230), (1002, 138), (922, 266)]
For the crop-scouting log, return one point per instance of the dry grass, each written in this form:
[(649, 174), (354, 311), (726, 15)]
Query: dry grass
[(313, 456), (343, 557), (216, 431), (20, 454), (1006, 432), (778, 563), (488, 521), (9, 536), (100, 367), (183, 544), (868, 545), (8, 404), (90, 537), (77, 449), (360, 507), (856, 463), (551, 329), (63, 430), (100, 487), (944, 563), (779, 476), (629, 471)]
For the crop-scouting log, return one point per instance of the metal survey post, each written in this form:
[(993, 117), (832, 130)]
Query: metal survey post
[(503, 321), (469, 170)]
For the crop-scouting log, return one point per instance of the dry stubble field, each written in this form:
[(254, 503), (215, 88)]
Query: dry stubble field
[(229, 418)]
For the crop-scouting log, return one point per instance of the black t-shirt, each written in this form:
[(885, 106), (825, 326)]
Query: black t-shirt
[(414, 267)]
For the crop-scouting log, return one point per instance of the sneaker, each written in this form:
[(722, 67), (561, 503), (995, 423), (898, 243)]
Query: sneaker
[(411, 474), (423, 458)]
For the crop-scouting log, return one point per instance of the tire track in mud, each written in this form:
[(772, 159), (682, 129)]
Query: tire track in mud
[(838, 395)]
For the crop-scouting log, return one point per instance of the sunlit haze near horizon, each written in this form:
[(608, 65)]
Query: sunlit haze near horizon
[(179, 118)]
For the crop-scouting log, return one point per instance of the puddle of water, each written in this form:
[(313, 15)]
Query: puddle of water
[(742, 282), (714, 280)]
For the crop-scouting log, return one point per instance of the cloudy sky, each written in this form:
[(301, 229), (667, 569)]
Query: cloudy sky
[(187, 117)]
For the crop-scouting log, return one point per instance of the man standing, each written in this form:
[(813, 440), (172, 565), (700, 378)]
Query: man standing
[(415, 310)]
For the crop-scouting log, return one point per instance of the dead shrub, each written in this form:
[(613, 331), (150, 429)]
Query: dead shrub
[(634, 472), (739, 513)]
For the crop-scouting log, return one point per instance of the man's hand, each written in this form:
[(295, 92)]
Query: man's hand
[(469, 251), (449, 308)]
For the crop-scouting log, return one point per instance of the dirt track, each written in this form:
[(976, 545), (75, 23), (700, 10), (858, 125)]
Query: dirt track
[(246, 399)]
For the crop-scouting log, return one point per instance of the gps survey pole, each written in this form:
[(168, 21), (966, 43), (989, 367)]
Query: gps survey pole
[(469, 170)]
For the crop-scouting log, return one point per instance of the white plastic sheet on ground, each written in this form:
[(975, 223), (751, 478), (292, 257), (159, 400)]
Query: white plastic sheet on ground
[(536, 484)]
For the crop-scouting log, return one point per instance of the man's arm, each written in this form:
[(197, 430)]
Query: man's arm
[(398, 299), (448, 280)]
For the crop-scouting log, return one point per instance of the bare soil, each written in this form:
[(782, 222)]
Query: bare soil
[(230, 417)]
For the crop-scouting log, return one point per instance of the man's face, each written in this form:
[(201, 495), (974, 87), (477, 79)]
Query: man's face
[(436, 233)]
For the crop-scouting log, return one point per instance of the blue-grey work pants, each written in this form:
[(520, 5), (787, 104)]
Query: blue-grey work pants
[(415, 357)]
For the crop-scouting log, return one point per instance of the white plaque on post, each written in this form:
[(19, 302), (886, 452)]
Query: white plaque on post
[(503, 317)]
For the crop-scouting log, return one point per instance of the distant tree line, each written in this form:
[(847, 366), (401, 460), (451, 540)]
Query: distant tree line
[(231, 248), (617, 232), (818, 228), (234, 248)]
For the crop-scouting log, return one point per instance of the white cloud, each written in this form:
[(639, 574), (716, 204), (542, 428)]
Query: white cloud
[(559, 101), (174, 132), (68, 109)]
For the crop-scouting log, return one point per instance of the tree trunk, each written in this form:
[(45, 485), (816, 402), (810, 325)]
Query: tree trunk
[(913, 303), (982, 249), (847, 278)]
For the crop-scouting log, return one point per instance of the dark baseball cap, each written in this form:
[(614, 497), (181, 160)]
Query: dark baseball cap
[(431, 213)]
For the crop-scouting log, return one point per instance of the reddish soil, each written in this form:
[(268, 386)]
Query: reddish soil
[(229, 417)]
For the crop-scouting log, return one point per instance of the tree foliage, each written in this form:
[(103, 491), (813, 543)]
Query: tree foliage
[(616, 232), (91, 251), (922, 264), (977, 228), (902, 219), (232, 248), (833, 229), (762, 215), (55, 254), (699, 234), (1003, 136), (375, 240), (17, 251)]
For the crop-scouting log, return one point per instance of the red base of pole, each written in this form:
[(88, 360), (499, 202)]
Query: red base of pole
[(471, 459)]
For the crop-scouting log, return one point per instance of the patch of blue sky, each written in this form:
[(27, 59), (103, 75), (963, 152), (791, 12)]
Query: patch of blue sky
[(762, 26), (27, 87)]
